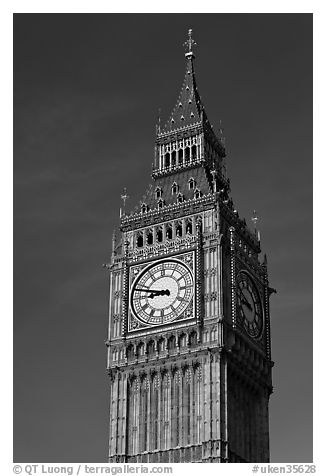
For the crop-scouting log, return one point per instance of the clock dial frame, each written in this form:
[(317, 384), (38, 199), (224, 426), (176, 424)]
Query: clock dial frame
[(249, 306), (162, 292)]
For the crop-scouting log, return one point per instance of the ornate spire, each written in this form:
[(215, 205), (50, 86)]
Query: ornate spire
[(187, 120), (189, 44), (188, 110)]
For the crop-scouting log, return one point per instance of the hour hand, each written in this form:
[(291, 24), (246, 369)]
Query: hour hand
[(162, 292), (154, 292)]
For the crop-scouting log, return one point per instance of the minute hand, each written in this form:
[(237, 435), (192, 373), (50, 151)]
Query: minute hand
[(148, 290), (245, 300)]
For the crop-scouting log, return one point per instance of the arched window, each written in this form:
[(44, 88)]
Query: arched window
[(191, 183), (140, 240), (172, 343), (158, 192), (178, 229), (176, 405), (143, 415), (130, 352), (169, 232), (150, 237), (193, 338), (144, 208), (197, 193), (187, 406), (175, 188), (161, 345), (173, 158), (187, 155), (183, 340), (180, 156), (160, 203), (194, 152), (180, 198), (155, 412), (189, 227), (140, 349), (151, 348), (166, 417), (167, 160), (159, 235)]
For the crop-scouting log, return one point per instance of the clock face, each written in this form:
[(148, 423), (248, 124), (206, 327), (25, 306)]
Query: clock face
[(249, 307), (162, 292)]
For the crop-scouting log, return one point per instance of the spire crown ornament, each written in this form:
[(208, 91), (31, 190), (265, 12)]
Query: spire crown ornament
[(124, 197), (189, 44), (254, 219)]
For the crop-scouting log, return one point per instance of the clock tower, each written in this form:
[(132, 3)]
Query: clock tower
[(189, 358)]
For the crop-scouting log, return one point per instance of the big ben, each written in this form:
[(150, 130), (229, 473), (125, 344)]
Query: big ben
[(189, 354)]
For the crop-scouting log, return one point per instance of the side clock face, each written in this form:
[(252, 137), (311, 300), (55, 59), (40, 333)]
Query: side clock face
[(162, 292), (249, 306)]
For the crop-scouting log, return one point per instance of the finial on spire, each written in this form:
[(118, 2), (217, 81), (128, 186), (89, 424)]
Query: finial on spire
[(114, 242), (214, 180), (254, 219), (124, 197), (189, 44), (221, 133), (159, 120)]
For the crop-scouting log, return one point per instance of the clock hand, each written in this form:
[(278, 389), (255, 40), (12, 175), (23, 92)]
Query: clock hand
[(245, 300), (246, 303), (146, 290), (157, 291), (154, 292)]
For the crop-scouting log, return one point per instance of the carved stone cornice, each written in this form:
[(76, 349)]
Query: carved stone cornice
[(170, 212)]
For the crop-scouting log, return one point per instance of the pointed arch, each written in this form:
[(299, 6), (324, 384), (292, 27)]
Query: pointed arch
[(159, 234), (180, 157), (174, 188), (169, 232), (140, 239), (151, 348), (191, 183), (183, 340), (158, 192), (149, 236), (144, 207), (187, 155), (189, 226), (173, 158), (194, 152), (180, 197), (178, 229), (172, 343)]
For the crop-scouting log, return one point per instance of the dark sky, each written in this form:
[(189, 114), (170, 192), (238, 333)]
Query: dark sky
[(87, 89)]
